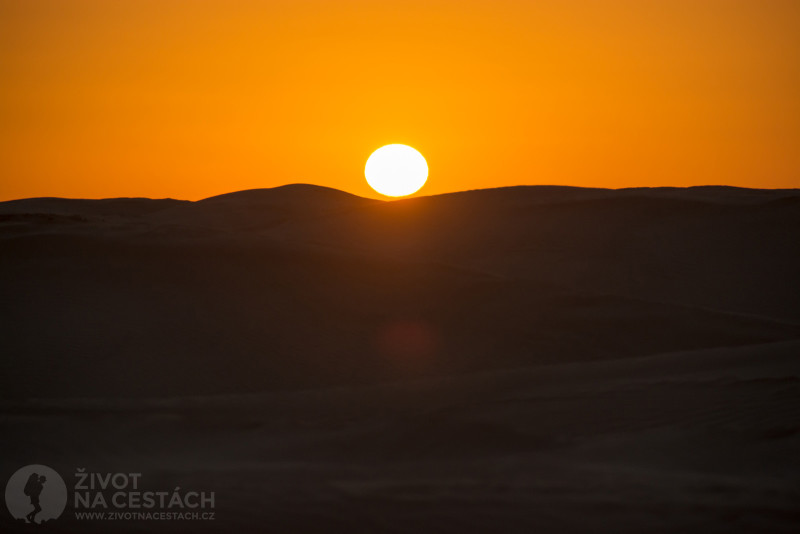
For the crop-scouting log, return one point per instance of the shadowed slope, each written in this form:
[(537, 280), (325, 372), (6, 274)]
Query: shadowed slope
[(108, 207), (694, 249), (305, 286), (514, 360)]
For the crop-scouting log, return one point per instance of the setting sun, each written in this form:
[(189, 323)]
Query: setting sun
[(396, 170)]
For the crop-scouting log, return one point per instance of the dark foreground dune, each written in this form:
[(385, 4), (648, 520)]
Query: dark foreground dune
[(531, 359)]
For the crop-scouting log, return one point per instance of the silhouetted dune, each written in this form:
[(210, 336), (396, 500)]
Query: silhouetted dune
[(733, 257), (258, 209), (526, 359), (303, 286), (108, 207), (307, 196)]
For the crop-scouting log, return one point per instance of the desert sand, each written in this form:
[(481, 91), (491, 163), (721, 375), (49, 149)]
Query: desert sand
[(526, 359)]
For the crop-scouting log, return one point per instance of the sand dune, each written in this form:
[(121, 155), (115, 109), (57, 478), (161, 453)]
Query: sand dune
[(693, 441), (545, 359), (300, 285)]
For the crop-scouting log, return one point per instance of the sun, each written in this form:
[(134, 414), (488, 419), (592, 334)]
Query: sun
[(396, 170)]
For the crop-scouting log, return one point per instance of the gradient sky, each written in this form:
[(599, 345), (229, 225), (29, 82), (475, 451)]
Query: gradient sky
[(189, 99)]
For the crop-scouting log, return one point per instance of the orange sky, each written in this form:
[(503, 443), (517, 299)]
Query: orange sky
[(189, 99)]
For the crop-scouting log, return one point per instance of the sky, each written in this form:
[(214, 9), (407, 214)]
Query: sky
[(189, 99)]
